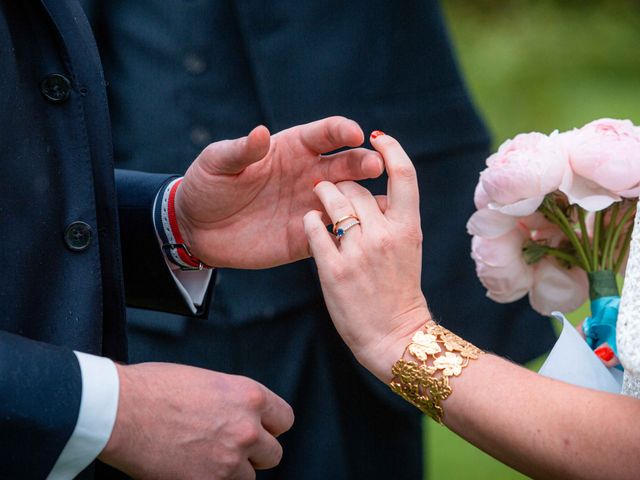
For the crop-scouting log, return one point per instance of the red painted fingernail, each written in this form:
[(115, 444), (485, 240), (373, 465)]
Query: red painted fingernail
[(376, 133), (315, 183), (604, 352)]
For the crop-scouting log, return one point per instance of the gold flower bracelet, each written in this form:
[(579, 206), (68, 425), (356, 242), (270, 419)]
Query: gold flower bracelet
[(424, 385)]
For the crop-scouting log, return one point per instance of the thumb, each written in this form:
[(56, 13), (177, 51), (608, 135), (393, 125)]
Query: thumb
[(230, 157)]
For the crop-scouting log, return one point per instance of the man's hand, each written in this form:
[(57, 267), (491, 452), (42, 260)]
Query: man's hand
[(242, 201), (177, 422)]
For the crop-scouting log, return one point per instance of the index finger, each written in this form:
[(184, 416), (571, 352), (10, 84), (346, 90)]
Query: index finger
[(331, 134), (277, 415), (403, 197)]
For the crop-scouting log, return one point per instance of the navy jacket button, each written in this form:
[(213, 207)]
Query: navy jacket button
[(77, 236), (56, 88)]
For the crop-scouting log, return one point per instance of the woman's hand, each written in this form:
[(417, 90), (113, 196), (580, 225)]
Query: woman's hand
[(371, 277)]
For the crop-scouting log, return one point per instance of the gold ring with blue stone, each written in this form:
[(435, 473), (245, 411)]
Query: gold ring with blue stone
[(341, 231), (337, 223)]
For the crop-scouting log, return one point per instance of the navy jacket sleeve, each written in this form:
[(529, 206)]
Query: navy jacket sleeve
[(40, 391), (147, 280)]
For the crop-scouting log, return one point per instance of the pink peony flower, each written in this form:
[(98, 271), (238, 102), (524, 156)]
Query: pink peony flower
[(503, 271), (489, 223), (485, 222), (522, 172), (501, 267), (505, 284), (480, 197), (604, 157), (557, 288), (500, 251)]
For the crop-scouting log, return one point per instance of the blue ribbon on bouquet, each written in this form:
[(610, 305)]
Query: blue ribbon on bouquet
[(600, 327)]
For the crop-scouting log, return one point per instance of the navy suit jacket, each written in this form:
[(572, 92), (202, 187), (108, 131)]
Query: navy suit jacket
[(56, 157), (183, 74)]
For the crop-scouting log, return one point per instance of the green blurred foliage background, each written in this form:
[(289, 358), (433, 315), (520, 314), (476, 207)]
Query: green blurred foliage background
[(542, 64), (537, 65)]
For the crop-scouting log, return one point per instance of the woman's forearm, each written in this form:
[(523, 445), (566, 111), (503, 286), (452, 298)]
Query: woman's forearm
[(543, 427), (539, 426)]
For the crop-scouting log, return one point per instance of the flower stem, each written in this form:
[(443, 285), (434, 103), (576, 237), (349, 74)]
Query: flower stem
[(558, 216), (596, 238), (616, 234), (607, 244), (585, 236), (603, 231), (625, 248), (571, 259)]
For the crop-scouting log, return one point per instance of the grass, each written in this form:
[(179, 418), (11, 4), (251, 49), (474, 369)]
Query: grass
[(537, 65)]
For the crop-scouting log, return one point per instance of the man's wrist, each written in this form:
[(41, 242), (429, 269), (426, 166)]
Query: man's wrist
[(121, 428), (182, 225), (170, 229)]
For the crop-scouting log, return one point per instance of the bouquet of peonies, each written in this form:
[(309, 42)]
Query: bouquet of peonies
[(555, 215)]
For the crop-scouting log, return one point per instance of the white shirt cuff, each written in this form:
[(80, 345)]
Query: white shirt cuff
[(191, 284), (96, 418)]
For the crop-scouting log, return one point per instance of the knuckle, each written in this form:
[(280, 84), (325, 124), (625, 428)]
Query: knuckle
[(276, 455), (315, 230), (229, 464), (359, 192), (290, 417), (338, 204), (255, 396), (308, 218), (383, 241), (414, 233), (310, 225), (248, 434), (334, 124), (404, 171), (338, 121), (341, 272)]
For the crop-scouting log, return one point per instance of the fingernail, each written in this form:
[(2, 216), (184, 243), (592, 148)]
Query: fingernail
[(604, 352), (315, 184), (376, 133)]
